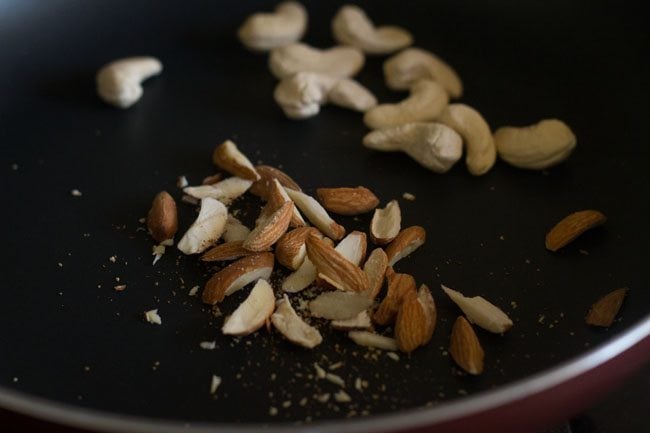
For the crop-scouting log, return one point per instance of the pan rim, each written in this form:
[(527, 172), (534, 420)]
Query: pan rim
[(106, 421)]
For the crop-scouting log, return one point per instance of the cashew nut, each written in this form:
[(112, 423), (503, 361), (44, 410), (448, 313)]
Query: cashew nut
[(351, 26), (412, 64), (264, 31), (480, 151), (535, 147), (433, 145), (119, 82), (301, 95), (427, 100), (336, 61)]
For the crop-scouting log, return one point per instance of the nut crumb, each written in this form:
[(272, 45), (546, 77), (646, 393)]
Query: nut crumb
[(14, 379), (335, 379), (142, 220), (358, 385), (208, 345), (120, 287), (14, 166), (320, 373), (392, 355), (75, 193), (157, 251), (408, 196), (342, 397), (194, 290), (112, 259), (273, 411), (286, 404), (152, 317), (322, 398), (214, 384), (336, 365)]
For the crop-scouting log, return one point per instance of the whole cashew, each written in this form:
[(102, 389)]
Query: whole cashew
[(480, 151), (433, 145), (264, 31), (119, 83), (336, 61), (302, 94), (535, 147), (352, 26), (427, 100), (413, 64)]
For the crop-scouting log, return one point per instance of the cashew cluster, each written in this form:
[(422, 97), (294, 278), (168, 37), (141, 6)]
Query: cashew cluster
[(336, 61), (119, 83), (264, 31)]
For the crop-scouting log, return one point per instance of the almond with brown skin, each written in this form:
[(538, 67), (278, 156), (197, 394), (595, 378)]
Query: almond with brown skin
[(398, 286), (386, 223), (407, 241), (237, 275), (290, 250), (465, 348), (375, 269), (226, 251), (229, 158), (276, 197), (573, 226), (270, 229), (347, 201), (162, 220), (604, 311), (212, 179), (334, 268), (411, 323), (267, 173)]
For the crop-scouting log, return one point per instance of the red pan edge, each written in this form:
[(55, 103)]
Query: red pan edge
[(531, 404)]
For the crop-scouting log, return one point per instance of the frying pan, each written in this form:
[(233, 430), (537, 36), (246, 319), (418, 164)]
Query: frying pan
[(75, 351)]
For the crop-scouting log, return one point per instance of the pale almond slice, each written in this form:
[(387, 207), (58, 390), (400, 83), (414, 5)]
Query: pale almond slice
[(465, 348), (337, 305), (316, 214), (407, 241), (225, 191), (375, 269), (207, 228), (253, 313), (480, 312), (290, 250), (302, 278), (226, 251), (386, 223), (162, 220), (353, 247), (235, 230), (237, 275), (370, 339), (347, 201), (360, 321), (271, 229), (416, 320), (604, 311), (267, 173), (229, 158), (334, 268), (293, 327), (398, 286)]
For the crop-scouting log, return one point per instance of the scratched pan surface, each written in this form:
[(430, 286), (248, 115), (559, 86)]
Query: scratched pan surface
[(68, 337)]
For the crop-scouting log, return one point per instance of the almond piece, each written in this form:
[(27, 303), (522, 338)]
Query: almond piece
[(334, 268), (480, 312), (290, 250), (206, 230), (225, 191), (212, 179), (465, 348), (237, 275), (353, 247), (338, 305), (267, 173), (316, 214), (292, 327), (235, 230), (407, 241), (277, 196), (360, 321), (398, 286), (301, 278), (347, 201), (229, 158), (226, 251), (386, 223), (370, 339), (162, 220), (415, 320), (573, 226), (272, 228), (604, 311), (253, 313), (375, 269)]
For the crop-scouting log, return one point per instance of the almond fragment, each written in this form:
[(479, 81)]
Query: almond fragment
[(235, 230), (338, 305), (360, 321), (353, 247), (290, 250), (398, 286), (316, 214), (416, 320), (347, 201), (301, 278), (573, 226), (375, 269), (293, 327), (480, 312), (267, 233), (267, 173), (277, 196), (604, 311), (334, 268), (229, 158), (225, 191), (212, 179), (407, 241), (207, 228), (386, 223), (465, 348), (370, 339), (237, 275), (226, 251), (253, 313), (162, 220)]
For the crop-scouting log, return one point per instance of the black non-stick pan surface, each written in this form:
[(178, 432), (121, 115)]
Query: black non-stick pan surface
[(67, 336)]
